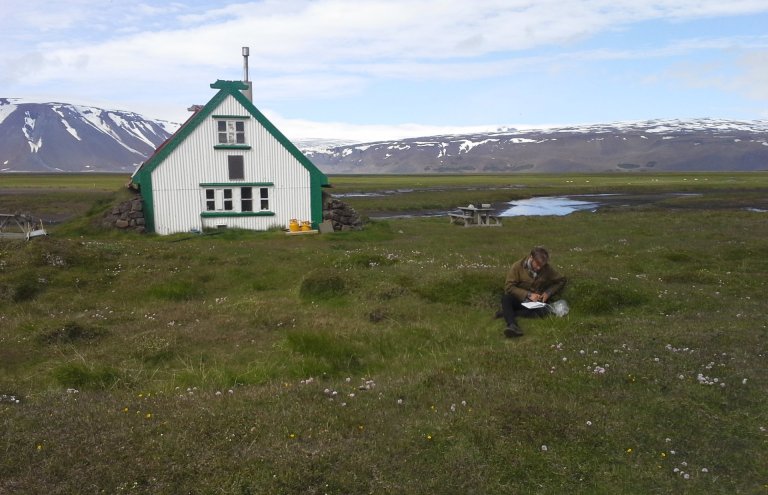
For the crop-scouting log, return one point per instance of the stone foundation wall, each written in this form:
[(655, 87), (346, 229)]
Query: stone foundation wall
[(128, 215), (342, 216)]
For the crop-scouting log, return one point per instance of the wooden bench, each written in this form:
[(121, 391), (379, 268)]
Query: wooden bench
[(494, 221), (461, 219)]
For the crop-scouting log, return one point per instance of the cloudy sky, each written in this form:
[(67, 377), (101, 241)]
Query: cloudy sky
[(376, 69)]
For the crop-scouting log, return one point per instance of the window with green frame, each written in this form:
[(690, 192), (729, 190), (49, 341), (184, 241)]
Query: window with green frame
[(249, 199), (231, 131)]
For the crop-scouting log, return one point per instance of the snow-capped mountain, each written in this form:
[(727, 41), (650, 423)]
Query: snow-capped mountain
[(60, 137), (653, 145)]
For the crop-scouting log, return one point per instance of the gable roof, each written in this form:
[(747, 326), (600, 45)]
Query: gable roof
[(143, 174)]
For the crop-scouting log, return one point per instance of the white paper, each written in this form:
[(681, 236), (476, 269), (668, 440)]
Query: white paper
[(534, 305)]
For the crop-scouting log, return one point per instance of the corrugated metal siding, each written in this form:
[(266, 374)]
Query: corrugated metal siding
[(179, 199)]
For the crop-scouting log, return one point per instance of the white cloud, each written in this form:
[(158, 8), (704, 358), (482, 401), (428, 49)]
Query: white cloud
[(298, 129), (741, 71), (149, 51), (286, 36), (754, 76)]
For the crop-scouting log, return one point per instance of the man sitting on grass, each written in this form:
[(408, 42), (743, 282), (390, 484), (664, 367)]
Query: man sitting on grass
[(532, 279)]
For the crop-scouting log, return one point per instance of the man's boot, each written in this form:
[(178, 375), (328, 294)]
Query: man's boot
[(512, 331)]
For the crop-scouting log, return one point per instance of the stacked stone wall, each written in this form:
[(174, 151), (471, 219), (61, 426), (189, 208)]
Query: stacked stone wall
[(342, 216), (128, 215)]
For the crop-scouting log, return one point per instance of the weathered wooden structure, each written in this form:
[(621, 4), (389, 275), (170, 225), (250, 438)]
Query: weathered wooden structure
[(19, 226), (471, 215)]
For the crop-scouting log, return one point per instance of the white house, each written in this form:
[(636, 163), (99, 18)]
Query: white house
[(228, 166)]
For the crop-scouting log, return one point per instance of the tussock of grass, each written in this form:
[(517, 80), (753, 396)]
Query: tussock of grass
[(464, 288), (324, 355), (78, 375), (323, 284), (25, 289), (175, 290), (71, 332), (591, 298)]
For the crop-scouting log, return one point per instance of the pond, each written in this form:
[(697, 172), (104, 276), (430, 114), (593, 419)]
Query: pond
[(547, 206)]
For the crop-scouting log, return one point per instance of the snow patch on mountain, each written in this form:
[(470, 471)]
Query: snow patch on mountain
[(6, 109), (70, 129)]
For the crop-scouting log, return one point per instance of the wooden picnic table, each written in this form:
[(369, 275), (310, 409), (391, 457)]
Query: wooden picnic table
[(477, 216)]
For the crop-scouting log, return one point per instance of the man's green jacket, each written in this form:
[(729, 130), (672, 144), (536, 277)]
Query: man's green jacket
[(521, 280)]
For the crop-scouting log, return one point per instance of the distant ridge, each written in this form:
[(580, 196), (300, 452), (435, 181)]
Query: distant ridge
[(61, 137), (652, 145)]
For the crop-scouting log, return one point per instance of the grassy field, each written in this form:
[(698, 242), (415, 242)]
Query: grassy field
[(370, 362)]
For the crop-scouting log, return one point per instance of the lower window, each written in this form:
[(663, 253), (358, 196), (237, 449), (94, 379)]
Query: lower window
[(246, 199)]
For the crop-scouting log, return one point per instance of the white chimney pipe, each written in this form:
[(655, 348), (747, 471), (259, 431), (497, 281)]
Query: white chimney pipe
[(247, 92), (246, 52)]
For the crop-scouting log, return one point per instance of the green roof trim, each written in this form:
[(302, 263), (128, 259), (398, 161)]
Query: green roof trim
[(149, 205), (216, 214), (142, 177), (232, 85), (231, 147)]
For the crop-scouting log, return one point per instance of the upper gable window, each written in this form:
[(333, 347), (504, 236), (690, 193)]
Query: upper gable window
[(231, 131)]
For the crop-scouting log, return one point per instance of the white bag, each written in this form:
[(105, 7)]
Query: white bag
[(560, 308)]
